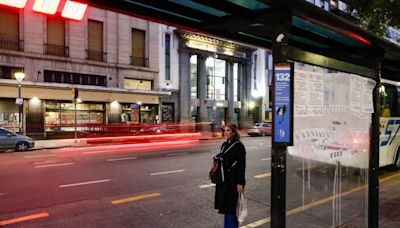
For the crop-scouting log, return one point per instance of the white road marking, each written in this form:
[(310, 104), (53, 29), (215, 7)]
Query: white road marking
[(83, 183), (206, 185), (121, 159), (177, 154), (167, 172), (40, 156), (266, 159), (52, 165)]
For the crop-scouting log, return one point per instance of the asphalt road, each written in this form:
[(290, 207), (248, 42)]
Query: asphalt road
[(154, 185), (166, 184)]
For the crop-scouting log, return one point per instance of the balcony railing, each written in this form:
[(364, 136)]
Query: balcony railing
[(96, 55), (57, 50), (11, 43), (139, 61)]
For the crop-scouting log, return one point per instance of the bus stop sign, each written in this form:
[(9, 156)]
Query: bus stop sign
[(282, 128)]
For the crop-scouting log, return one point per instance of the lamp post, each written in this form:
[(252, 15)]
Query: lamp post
[(19, 76)]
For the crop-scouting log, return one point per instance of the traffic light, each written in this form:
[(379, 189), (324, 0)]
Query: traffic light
[(75, 93)]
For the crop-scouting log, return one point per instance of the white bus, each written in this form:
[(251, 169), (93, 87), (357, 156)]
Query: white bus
[(389, 125)]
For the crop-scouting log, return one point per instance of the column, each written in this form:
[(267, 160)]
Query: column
[(245, 91), (230, 92), (184, 84), (202, 87)]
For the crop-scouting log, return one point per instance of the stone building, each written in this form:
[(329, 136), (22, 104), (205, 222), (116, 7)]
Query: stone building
[(111, 58)]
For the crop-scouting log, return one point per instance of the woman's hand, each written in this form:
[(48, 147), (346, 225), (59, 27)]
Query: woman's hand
[(240, 188)]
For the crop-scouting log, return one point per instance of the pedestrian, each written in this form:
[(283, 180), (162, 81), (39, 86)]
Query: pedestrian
[(233, 158), (223, 128), (212, 124)]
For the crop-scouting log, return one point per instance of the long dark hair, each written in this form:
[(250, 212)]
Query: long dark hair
[(234, 128)]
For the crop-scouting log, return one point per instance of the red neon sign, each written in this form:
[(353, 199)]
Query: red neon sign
[(74, 10), (14, 3), (71, 9), (46, 6)]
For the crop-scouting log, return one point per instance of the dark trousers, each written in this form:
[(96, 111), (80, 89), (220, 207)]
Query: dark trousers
[(230, 221)]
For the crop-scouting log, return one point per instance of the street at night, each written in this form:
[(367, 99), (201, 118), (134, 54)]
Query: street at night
[(114, 186)]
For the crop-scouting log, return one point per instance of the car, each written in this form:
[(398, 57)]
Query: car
[(10, 140), (260, 129), (155, 129)]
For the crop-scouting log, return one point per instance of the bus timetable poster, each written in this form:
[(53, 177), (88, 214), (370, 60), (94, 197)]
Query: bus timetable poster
[(282, 104)]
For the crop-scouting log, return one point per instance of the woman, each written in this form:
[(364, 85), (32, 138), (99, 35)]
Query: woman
[(233, 156)]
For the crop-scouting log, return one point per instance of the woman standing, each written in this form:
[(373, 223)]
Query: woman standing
[(233, 157)]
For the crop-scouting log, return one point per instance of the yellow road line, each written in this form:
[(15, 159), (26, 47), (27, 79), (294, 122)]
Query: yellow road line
[(263, 175), (24, 218), (315, 203), (135, 198)]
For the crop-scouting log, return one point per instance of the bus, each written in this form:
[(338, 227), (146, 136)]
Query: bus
[(389, 124)]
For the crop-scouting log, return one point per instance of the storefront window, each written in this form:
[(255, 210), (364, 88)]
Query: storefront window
[(137, 84), (60, 116)]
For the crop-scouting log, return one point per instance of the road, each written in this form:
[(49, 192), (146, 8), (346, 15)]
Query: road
[(154, 185), (165, 184)]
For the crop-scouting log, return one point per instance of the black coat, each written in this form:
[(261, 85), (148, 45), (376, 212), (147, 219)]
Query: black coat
[(226, 194)]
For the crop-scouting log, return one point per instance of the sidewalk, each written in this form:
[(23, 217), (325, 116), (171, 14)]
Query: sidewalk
[(82, 142)]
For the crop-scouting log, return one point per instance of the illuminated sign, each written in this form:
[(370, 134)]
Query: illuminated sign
[(74, 10), (14, 3), (71, 9), (46, 6)]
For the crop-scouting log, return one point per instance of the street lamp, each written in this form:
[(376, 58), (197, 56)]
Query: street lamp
[(19, 76)]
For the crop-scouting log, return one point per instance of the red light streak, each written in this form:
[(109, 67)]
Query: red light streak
[(140, 137), (129, 148), (360, 38)]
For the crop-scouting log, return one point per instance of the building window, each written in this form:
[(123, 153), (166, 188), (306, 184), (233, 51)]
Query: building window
[(56, 37), (236, 82), (95, 41), (9, 30), (137, 84), (60, 116), (193, 76), (167, 56), (7, 72), (74, 78), (216, 73), (138, 45), (255, 73)]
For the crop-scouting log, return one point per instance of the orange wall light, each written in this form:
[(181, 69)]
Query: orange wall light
[(74, 10), (14, 3), (46, 6)]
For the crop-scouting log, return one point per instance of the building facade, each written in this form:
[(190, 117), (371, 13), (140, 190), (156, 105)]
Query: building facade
[(212, 79), (112, 59)]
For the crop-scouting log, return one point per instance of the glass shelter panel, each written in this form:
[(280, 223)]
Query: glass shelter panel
[(327, 166)]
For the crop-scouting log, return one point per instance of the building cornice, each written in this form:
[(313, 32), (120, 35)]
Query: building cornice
[(64, 86)]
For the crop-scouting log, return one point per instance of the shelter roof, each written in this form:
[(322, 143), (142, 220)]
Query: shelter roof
[(258, 22)]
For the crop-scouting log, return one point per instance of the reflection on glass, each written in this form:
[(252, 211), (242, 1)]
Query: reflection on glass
[(193, 78), (216, 74), (327, 166)]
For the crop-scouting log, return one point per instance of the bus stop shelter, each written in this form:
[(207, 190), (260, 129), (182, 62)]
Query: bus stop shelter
[(327, 74)]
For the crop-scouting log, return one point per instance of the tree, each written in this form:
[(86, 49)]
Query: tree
[(375, 15)]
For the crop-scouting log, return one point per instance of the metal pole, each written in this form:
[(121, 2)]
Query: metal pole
[(19, 109), (76, 133)]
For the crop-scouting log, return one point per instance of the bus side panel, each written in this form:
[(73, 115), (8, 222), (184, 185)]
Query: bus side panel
[(389, 139)]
